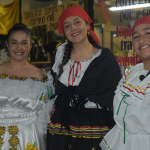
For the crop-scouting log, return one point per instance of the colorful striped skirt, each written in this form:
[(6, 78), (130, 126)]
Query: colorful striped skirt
[(86, 130)]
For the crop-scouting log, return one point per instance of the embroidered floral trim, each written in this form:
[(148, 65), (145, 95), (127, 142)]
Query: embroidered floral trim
[(2, 132), (14, 77), (43, 97), (14, 140), (1, 142), (3, 75), (13, 130), (31, 146)]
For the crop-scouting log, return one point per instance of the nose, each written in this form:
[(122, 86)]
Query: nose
[(73, 27), (142, 39), (18, 46)]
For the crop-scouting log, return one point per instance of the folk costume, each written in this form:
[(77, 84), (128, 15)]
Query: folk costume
[(24, 112), (84, 98), (131, 109)]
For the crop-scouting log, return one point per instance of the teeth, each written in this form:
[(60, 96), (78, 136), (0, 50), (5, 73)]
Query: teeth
[(144, 47), (75, 33), (19, 53)]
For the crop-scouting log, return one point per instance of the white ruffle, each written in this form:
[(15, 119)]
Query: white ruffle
[(134, 98), (131, 113), (20, 102), (114, 140)]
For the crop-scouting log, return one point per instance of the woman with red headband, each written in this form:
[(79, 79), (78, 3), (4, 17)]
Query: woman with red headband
[(132, 98), (85, 77)]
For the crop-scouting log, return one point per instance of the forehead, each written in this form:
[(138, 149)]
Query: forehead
[(141, 28), (19, 35), (71, 18)]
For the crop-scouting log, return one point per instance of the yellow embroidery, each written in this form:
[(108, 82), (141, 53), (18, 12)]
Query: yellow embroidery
[(13, 130), (58, 45), (128, 73), (3, 75), (13, 141), (14, 77), (135, 87), (31, 147), (44, 97), (1, 142), (141, 88), (2, 132)]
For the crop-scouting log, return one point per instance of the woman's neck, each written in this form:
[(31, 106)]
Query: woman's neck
[(146, 64), (82, 48), (14, 64)]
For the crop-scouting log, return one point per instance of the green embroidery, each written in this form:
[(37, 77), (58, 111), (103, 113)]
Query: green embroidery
[(107, 144), (41, 97), (50, 91), (137, 96), (124, 124), (125, 95)]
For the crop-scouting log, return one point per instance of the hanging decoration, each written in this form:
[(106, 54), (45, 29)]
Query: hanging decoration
[(104, 11)]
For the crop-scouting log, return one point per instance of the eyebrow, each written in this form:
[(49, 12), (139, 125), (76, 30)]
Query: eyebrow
[(73, 20), (16, 40), (143, 30)]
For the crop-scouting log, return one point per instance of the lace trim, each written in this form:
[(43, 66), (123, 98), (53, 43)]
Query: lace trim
[(14, 77), (17, 121)]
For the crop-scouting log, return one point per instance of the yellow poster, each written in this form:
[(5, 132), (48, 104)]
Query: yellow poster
[(9, 15)]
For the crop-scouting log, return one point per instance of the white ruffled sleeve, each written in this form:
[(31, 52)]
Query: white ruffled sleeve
[(44, 117)]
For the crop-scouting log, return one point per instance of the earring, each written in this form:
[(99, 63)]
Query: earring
[(89, 33), (67, 40)]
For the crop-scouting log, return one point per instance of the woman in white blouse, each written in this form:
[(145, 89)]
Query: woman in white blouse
[(132, 98), (85, 76), (24, 96)]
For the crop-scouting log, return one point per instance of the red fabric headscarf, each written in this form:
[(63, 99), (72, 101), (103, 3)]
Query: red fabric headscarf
[(143, 20), (76, 11)]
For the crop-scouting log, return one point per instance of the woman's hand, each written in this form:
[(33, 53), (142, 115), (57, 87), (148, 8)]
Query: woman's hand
[(51, 113)]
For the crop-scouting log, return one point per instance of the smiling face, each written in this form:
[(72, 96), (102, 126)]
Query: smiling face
[(141, 41), (75, 29), (18, 45)]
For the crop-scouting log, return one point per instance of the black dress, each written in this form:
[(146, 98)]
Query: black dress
[(76, 127)]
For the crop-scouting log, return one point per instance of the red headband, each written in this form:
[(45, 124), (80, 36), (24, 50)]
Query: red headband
[(143, 20), (76, 11)]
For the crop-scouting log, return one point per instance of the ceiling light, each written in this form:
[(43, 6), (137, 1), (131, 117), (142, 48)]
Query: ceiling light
[(129, 7)]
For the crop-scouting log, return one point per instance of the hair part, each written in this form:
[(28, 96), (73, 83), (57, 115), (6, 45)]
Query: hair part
[(67, 54), (19, 27)]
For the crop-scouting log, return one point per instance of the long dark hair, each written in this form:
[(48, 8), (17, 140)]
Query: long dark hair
[(67, 54)]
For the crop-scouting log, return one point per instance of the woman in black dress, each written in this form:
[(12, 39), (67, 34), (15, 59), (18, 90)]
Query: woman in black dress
[(85, 77)]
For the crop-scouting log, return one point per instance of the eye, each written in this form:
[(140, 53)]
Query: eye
[(24, 43), (148, 33), (135, 37), (66, 26), (77, 22), (13, 42)]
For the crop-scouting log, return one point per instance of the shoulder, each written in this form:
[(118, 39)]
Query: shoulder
[(36, 72), (3, 67)]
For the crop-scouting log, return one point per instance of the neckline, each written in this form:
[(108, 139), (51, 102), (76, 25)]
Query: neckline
[(14, 77), (86, 59)]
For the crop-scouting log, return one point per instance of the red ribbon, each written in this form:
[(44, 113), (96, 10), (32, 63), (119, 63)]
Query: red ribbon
[(72, 70)]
